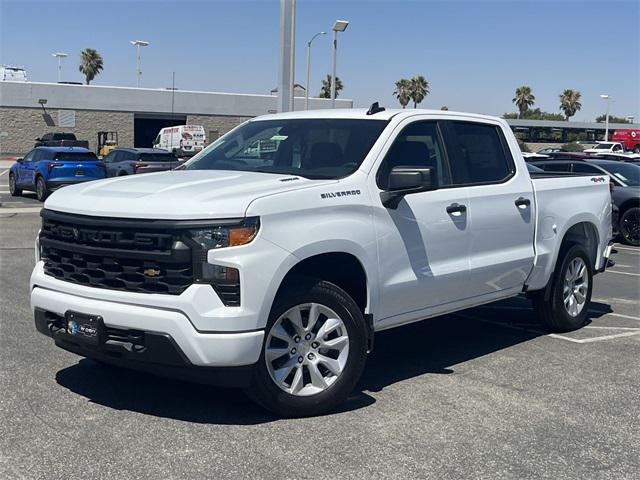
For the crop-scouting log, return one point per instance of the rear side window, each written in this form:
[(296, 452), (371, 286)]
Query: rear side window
[(157, 157), (585, 168), (556, 167), (75, 156), (64, 136), (478, 153)]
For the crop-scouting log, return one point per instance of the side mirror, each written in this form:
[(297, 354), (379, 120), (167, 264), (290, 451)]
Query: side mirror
[(405, 181), (20, 159)]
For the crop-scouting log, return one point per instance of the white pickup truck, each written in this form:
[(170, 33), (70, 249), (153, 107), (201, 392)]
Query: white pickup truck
[(271, 269)]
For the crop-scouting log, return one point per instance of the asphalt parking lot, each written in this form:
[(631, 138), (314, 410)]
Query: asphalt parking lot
[(484, 393)]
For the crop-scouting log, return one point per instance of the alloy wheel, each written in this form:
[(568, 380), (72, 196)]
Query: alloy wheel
[(576, 287), (630, 226), (307, 349)]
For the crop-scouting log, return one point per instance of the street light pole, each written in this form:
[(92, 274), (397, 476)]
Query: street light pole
[(138, 44), (606, 120), (338, 26), (306, 88), (60, 56)]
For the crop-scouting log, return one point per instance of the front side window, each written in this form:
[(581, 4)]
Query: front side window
[(478, 153), (418, 145), (311, 148), (585, 168)]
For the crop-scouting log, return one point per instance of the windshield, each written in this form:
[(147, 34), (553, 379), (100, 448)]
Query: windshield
[(603, 146), (76, 156), (628, 173), (64, 136), (158, 157), (311, 148)]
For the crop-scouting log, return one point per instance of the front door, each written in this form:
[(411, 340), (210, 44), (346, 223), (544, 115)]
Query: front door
[(423, 244)]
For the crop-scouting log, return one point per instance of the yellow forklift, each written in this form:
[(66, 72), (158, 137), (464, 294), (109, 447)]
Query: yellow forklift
[(107, 141)]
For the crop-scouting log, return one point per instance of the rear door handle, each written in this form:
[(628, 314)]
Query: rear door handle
[(523, 203), (456, 208)]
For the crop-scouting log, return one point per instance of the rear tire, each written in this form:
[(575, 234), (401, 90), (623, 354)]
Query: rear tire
[(13, 188), (318, 368), (630, 226), (42, 192), (569, 297)]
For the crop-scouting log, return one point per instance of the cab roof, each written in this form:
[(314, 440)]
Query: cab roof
[(361, 114)]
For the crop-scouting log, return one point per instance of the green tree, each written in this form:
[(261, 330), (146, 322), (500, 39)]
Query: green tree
[(570, 102), (571, 147), (403, 91), (325, 91), (612, 119), (90, 64), (535, 114), (523, 99), (418, 90)]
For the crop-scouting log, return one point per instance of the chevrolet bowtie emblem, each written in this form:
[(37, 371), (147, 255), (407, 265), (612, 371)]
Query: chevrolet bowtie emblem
[(151, 272)]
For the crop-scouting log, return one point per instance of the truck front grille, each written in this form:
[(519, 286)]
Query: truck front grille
[(132, 255)]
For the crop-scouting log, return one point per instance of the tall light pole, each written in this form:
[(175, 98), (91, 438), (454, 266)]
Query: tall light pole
[(338, 26), (138, 44), (59, 56), (286, 66), (306, 88), (607, 98)]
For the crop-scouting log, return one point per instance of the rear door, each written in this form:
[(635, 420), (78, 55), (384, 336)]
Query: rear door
[(22, 169), (500, 206)]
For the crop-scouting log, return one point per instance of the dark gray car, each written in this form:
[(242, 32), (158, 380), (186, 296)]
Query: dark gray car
[(625, 179), (131, 161)]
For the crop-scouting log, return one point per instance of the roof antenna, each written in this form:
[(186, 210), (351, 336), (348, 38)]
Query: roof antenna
[(375, 108)]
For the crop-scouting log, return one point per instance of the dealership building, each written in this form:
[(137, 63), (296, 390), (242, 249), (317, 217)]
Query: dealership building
[(28, 110)]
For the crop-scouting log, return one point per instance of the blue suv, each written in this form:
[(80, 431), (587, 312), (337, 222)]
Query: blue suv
[(45, 169)]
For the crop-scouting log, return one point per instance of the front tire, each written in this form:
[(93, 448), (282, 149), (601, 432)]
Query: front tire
[(570, 296), (314, 351), (630, 226), (42, 192), (13, 188)]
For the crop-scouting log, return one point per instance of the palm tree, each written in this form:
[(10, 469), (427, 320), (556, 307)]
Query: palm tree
[(325, 91), (523, 99), (419, 89), (570, 102), (90, 64), (403, 91)]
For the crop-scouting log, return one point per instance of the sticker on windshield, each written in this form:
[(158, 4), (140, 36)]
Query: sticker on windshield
[(279, 138)]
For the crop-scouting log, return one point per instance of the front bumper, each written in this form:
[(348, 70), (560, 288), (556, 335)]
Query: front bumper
[(150, 352), (205, 349)]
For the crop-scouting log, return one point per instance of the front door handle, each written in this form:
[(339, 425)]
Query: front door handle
[(523, 203), (456, 209)]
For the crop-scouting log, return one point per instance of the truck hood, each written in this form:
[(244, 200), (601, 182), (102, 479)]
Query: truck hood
[(175, 195)]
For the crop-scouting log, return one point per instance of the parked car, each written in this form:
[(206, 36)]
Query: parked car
[(625, 184), (629, 137), (130, 161), (620, 157), (45, 169), (182, 140), (544, 151), (606, 147), (60, 139), (273, 273)]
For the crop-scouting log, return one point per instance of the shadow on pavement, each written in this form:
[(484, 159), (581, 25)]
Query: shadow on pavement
[(433, 346)]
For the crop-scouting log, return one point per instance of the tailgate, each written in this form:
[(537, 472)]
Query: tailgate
[(76, 168)]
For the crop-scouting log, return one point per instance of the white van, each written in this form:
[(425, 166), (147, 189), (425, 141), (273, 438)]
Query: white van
[(183, 140)]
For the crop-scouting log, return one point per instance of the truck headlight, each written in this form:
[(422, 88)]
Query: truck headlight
[(225, 236), (224, 280)]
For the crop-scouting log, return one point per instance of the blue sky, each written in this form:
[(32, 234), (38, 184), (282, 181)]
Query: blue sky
[(474, 53)]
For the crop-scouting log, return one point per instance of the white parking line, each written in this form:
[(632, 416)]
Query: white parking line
[(623, 273), (2, 173), (628, 249), (612, 328)]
